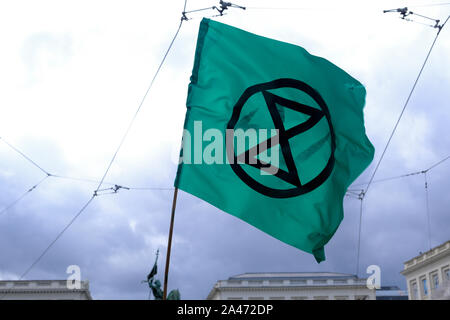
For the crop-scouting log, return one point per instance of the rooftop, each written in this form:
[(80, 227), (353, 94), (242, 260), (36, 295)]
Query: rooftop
[(390, 291), (276, 281), (428, 256), (291, 275), (42, 287)]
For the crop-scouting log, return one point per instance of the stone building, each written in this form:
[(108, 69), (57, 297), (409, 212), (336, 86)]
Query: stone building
[(428, 274), (292, 286), (43, 290)]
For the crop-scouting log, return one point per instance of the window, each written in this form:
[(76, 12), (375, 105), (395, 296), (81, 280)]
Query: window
[(298, 281), (21, 284), (299, 298), (435, 280), (414, 291), (340, 281), (320, 281), (424, 287), (447, 274)]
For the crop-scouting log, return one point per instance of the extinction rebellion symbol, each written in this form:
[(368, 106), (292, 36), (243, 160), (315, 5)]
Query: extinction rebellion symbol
[(291, 175)]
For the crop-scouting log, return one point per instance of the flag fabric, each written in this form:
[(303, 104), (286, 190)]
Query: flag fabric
[(310, 145)]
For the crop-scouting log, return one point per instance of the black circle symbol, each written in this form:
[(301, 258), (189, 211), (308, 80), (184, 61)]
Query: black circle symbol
[(291, 175)]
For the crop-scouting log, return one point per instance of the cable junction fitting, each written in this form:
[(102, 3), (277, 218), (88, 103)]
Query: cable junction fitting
[(111, 190), (404, 13), (223, 6)]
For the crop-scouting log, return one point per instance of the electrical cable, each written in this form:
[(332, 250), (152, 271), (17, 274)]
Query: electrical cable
[(428, 210), (56, 239), (430, 5), (437, 164), (25, 156), (15, 202), (359, 234), (401, 176), (141, 103), (109, 166), (403, 109)]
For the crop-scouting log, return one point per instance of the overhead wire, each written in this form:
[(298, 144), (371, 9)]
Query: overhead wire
[(351, 194), (36, 261), (150, 188), (101, 182), (142, 101), (51, 175), (359, 233), (427, 205), (438, 163), (427, 210), (400, 176), (88, 180), (15, 202), (34, 163), (110, 163), (388, 179), (429, 5), (43, 253), (403, 109), (363, 193), (325, 8), (25, 156)]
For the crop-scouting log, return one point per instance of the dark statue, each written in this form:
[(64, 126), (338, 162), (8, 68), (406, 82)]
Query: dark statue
[(155, 285)]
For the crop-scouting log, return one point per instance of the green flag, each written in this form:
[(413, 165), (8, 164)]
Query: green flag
[(273, 135)]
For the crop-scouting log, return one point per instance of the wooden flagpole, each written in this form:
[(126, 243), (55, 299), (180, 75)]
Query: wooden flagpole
[(169, 244)]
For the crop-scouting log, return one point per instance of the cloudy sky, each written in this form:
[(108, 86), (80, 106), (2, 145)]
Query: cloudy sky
[(71, 77)]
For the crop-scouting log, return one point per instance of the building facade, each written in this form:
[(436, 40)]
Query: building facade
[(292, 286), (391, 293), (428, 274), (43, 290)]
